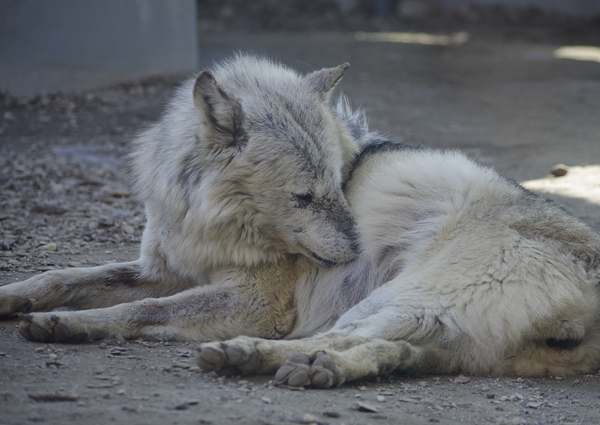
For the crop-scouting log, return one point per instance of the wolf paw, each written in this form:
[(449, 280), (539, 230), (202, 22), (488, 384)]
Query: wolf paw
[(47, 327), (236, 357), (302, 370)]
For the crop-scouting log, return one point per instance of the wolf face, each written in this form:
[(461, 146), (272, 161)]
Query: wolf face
[(257, 172)]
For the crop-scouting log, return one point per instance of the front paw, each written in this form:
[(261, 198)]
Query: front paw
[(48, 327), (317, 370), (238, 356)]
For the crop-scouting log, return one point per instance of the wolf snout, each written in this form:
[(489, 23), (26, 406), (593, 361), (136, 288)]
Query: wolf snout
[(332, 247), (347, 249), (323, 261), (349, 256)]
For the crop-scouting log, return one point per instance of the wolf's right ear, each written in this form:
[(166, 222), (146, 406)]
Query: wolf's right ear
[(324, 80), (220, 113)]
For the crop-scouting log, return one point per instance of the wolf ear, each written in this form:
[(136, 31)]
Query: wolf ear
[(221, 113), (324, 80)]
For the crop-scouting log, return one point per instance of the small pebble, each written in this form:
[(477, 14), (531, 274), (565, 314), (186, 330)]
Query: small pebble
[(48, 247), (559, 170), (127, 229), (309, 419), (331, 413), (461, 379), (10, 117), (366, 407), (35, 417)]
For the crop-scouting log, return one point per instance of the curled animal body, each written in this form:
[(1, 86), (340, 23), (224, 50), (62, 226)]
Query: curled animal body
[(328, 252)]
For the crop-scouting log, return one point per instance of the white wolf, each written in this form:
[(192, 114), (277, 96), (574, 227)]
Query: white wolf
[(460, 271), (258, 197)]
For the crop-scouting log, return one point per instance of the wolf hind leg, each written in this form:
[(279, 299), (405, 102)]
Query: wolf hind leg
[(85, 288), (320, 362)]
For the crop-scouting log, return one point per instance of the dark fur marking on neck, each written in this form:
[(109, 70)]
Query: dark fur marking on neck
[(564, 344), (377, 146)]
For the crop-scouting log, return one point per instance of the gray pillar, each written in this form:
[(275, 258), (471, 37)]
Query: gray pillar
[(76, 45)]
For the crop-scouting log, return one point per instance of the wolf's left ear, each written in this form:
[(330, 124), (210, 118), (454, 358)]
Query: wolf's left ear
[(324, 80), (219, 112)]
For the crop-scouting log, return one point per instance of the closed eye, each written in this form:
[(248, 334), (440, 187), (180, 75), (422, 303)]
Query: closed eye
[(303, 200)]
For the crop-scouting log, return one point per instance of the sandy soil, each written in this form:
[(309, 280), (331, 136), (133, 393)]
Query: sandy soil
[(64, 201)]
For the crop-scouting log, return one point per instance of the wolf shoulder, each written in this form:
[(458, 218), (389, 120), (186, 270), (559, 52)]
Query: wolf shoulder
[(389, 176)]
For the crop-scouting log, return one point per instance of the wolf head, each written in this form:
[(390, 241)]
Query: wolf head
[(275, 157)]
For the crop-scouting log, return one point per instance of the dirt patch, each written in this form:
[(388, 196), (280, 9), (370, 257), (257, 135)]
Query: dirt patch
[(147, 382)]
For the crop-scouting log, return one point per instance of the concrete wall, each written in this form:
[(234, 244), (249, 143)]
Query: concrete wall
[(580, 8), (75, 45), (583, 8)]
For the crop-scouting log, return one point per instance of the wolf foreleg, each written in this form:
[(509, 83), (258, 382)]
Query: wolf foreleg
[(84, 288), (217, 311)]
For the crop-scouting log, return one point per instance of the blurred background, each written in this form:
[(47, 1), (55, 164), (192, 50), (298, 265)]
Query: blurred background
[(513, 83), (77, 45)]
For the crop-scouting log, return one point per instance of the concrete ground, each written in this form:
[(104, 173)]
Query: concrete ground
[(511, 105)]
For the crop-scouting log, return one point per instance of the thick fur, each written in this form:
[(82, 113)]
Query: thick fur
[(459, 269), (242, 184), (463, 271)]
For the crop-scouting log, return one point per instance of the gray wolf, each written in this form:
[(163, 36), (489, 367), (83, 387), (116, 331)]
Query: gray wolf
[(242, 185), (331, 253)]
